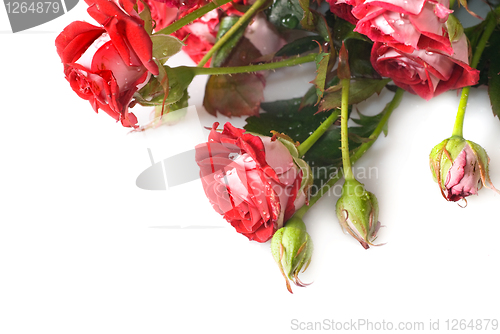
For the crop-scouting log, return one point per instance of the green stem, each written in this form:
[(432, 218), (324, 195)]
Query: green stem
[(313, 138), (344, 117), (459, 120), (248, 14), (464, 97), (191, 17), (253, 68), (357, 153)]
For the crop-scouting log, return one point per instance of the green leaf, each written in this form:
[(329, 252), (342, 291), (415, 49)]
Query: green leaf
[(225, 50), (360, 90), (489, 66), (234, 95), (171, 81), (300, 45), (237, 94), (322, 60), (311, 96), (494, 78), (343, 31), (145, 15), (455, 28), (308, 20), (165, 46), (359, 59), (285, 117)]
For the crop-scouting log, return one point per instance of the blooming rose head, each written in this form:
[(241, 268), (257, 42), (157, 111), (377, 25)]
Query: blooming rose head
[(460, 167), (105, 65), (253, 181), (292, 249), (423, 72), (407, 25), (357, 211)]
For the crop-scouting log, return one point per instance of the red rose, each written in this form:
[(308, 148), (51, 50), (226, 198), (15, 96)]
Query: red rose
[(126, 30), (425, 73), (162, 14), (106, 65), (108, 83), (252, 181)]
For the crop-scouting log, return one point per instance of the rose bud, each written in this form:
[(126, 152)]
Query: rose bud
[(460, 167), (357, 211), (292, 248), (256, 182)]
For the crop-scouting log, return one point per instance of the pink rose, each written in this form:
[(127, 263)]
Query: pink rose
[(407, 25), (252, 181), (425, 73)]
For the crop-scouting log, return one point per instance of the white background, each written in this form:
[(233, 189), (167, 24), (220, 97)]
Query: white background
[(84, 250)]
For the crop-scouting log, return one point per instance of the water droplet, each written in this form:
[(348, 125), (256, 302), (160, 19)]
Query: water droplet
[(233, 156), (289, 21), (403, 16), (429, 53)]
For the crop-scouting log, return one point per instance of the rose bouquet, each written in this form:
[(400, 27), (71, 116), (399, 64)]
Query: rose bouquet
[(264, 178)]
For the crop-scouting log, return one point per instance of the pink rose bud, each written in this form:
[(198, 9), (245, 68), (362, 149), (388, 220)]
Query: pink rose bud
[(292, 249), (255, 182), (357, 211), (460, 167)]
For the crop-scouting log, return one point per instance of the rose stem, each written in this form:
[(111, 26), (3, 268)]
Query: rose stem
[(357, 153), (464, 97), (249, 13), (191, 17), (344, 117), (252, 68), (313, 138)]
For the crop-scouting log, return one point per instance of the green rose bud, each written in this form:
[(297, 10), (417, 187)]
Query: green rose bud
[(357, 210), (460, 167), (292, 248)]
